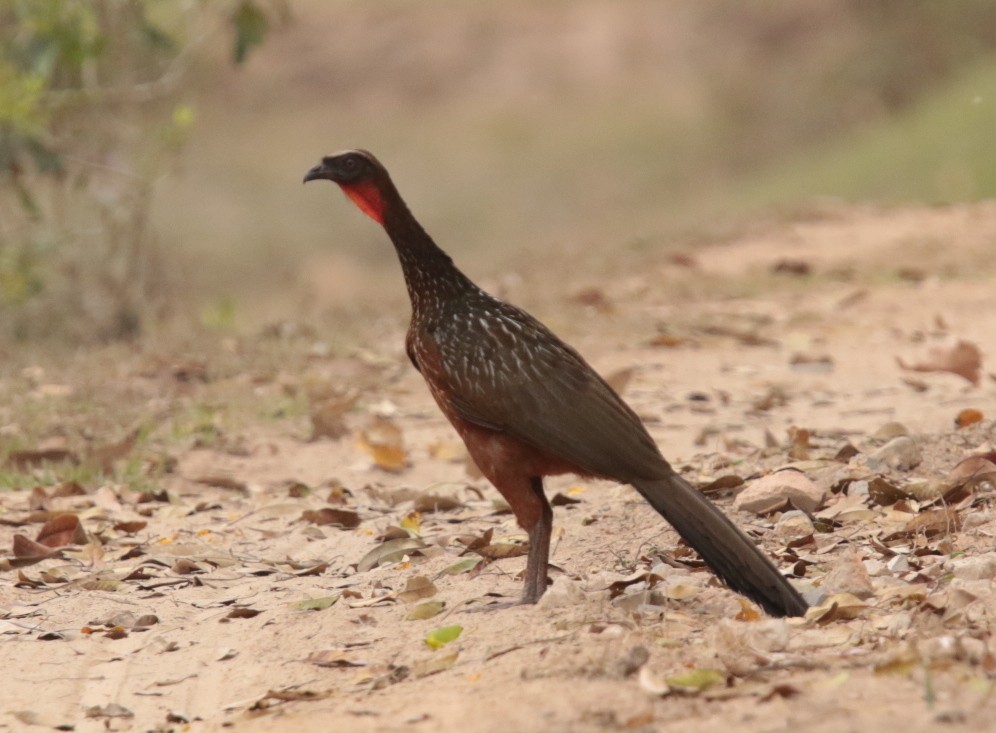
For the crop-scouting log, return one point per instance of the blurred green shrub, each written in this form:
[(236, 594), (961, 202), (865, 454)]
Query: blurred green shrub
[(91, 111)]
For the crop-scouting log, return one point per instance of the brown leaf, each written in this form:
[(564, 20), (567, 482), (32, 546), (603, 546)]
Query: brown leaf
[(242, 612), (146, 620), (334, 658), (846, 453), (65, 529), (787, 266), (392, 532), (745, 337), (343, 518), (618, 587), (929, 524), (838, 607), (131, 527), (429, 502), (111, 710), (38, 499), (383, 440), (972, 467), (24, 460), (620, 378), (298, 490), (667, 340), (502, 550), (183, 566), (289, 695), (959, 357), (451, 451), (776, 396), (223, 481), (328, 415), (68, 488), (478, 542), (390, 551), (338, 495), (105, 456), (722, 484), (23, 581), (595, 298), (747, 611), (885, 493), (798, 443), (783, 689), (416, 589), (434, 664), (682, 259), (314, 570), (561, 499), (968, 416)]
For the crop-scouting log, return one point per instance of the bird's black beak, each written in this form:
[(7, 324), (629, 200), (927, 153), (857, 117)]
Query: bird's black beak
[(320, 171)]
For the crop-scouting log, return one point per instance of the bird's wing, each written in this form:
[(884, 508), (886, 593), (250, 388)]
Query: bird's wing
[(510, 373)]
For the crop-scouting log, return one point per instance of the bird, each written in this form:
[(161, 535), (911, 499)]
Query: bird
[(527, 405)]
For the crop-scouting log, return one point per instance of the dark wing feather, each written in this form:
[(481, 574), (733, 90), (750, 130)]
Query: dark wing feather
[(508, 372)]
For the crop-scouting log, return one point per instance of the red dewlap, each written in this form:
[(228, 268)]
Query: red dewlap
[(367, 197)]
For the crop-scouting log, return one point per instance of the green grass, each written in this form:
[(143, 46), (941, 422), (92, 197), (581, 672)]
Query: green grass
[(940, 151)]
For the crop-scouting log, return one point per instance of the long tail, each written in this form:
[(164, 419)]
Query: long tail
[(727, 550)]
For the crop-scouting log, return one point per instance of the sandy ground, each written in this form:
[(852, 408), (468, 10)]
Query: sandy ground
[(189, 609)]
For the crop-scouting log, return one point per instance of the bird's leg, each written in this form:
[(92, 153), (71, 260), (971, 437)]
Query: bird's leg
[(539, 545)]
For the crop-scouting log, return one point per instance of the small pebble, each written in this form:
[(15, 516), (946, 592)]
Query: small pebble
[(899, 453)]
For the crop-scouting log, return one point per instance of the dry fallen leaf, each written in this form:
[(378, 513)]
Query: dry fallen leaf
[(957, 357), (131, 527), (696, 680), (383, 440), (64, 529), (23, 460), (798, 443), (426, 610), (417, 588), (668, 340), (435, 664), (390, 551), (620, 378), (968, 416), (502, 550), (838, 607), (105, 456), (327, 516), (594, 297), (111, 710), (27, 549), (315, 604), (428, 502), (561, 499), (328, 414), (464, 566), (931, 523), (451, 451), (788, 266), (972, 467), (335, 658)]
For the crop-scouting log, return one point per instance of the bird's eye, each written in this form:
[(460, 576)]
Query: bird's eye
[(350, 164)]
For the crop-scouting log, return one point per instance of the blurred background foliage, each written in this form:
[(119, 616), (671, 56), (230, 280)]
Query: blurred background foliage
[(92, 112), (150, 166)]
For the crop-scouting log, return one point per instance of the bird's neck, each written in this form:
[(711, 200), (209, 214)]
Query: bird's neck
[(430, 275)]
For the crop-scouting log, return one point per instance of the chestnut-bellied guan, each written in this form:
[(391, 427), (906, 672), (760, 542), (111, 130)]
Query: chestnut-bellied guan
[(527, 405)]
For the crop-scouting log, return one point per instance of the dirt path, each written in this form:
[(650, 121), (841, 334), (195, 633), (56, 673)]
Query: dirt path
[(627, 638)]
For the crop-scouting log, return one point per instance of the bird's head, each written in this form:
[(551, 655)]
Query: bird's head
[(361, 177)]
